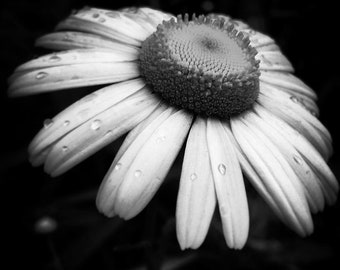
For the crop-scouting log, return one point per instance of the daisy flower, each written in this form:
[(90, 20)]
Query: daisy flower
[(210, 82)]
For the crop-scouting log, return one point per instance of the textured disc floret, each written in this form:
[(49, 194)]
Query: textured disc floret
[(204, 65)]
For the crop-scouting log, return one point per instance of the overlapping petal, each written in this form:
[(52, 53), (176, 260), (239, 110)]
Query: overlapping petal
[(289, 109), (71, 69), (77, 114), (229, 186), (306, 176), (98, 131), (196, 196), (114, 25), (67, 40), (326, 178), (276, 175), (274, 60), (139, 170), (258, 39), (289, 82)]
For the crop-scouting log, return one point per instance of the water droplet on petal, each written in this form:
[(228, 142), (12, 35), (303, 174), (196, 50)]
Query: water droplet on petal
[(67, 37), (48, 122), (223, 211), (108, 133), (297, 159), (66, 123), (118, 166), (160, 139), (101, 20), (314, 113), (222, 169), (54, 58), (89, 97), (64, 148), (95, 15), (138, 173), (95, 125), (41, 75), (294, 99), (193, 176)]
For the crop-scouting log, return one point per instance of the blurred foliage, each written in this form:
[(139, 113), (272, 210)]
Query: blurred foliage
[(53, 223)]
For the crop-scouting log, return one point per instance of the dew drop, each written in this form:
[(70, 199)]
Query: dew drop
[(223, 211), (64, 148), (193, 176), (294, 99), (66, 123), (108, 133), (41, 75), (48, 122), (118, 166), (222, 168), (95, 125), (138, 173), (95, 15), (297, 159), (160, 139), (101, 20), (54, 58), (113, 14), (67, 37), (313, 113)]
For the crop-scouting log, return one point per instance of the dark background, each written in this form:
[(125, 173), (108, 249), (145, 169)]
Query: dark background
[(76, 235)]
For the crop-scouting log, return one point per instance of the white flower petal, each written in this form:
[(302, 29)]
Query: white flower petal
[(268, 48), (289, 109), (79, 56), (196, 199), (229, 185), (240, 25), (307, 177), (287, 81), (107, 23), (274, 60), (258, 39), (136, 138), (214, 16), (156, 16), (148, 17), (71, 76), (99, 131), (306, 102), (151, 164), (254, 178), (276, 175), (66, 40), (327, 179), (78, 113)]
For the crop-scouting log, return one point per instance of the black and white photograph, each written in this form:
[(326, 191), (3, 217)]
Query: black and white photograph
[(169, 135)]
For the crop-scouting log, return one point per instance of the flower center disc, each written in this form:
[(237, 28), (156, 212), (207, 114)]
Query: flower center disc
[(204, 65)]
